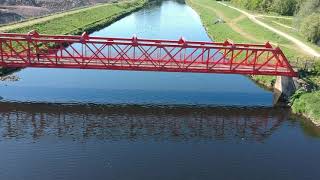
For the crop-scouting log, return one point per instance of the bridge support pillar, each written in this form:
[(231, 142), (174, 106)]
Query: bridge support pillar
[(284, 88)]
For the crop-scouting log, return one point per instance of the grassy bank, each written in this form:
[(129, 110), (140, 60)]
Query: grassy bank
[(287, 26), (240, 28), (75, 22), (308, 104)]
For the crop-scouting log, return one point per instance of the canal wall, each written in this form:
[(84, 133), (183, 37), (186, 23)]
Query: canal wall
[(285, 87)]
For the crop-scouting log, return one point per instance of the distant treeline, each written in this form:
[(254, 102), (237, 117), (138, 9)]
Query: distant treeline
[(306, 13)]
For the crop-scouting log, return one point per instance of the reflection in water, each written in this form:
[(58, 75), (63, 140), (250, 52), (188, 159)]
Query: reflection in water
[(88, 141), (56, 141), (138, 122)]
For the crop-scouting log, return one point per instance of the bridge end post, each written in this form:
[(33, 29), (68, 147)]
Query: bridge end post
[(284, 88), (1, 51)]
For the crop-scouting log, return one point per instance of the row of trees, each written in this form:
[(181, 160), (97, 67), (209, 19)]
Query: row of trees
[(283, 7), (306, 13), (308, 20)]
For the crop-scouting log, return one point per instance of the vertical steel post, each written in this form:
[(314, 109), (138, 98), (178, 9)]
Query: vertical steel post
[(231, 60), (208, 58), (247, 58), (276, 55), (29, 49), (57, 51), (203, 51), (1, 51), (255, 60), (109, 54), (82, 53), (11, 53)]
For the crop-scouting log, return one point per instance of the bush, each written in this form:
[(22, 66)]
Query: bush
[(308, 7), (308, 104), (249, 4), (266, 5), (310, 27), (284, 7)]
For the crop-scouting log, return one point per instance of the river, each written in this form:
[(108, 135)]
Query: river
[(95, 124)]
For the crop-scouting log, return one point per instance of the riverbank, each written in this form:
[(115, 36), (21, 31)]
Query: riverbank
[(13, 11), (75, 22), (240, 28), (307, 104)]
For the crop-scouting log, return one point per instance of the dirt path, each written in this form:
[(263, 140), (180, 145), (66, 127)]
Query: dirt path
[(299, 43)]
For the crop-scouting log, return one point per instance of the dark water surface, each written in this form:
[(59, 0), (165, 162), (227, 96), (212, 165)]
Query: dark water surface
[(88, 124)]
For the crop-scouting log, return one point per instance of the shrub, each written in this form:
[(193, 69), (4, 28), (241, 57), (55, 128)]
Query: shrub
[(308, 7), (310, 27), (266, 5), (284, 7)]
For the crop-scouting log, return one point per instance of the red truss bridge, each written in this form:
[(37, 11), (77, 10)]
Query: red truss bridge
[(85, 52)]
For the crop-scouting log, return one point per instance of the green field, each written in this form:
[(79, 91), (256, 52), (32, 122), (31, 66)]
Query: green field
[(78, 21), (238, 27), (293, 32), (287, 22)]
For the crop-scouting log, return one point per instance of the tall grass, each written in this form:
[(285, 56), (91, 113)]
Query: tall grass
[(86, 20), (308, 104)]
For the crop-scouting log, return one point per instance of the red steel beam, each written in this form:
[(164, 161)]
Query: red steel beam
[(84, 52)]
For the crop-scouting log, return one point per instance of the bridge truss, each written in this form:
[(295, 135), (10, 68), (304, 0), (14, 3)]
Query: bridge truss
[(85, 52)]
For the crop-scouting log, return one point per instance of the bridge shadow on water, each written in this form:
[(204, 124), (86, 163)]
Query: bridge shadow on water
[(137, 122)]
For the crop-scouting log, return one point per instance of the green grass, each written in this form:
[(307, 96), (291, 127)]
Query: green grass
[(267, 81), (227, 12), (218, 32), (292, 32), (287, 22), (261, 33), (210, 10), (84, 20), (265, 35), (308, 104)]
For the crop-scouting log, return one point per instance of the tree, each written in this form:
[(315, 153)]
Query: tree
[(249, 4), (266, 5), (308, 7), (310, 27), (284, 7)]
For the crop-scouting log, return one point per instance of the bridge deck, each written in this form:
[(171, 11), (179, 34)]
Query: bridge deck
[(84, 52)]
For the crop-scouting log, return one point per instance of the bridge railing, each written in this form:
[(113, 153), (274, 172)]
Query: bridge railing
[(85, 52)]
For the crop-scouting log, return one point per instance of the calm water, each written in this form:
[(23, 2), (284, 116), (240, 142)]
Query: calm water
[(88, 124), (168, 20)]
